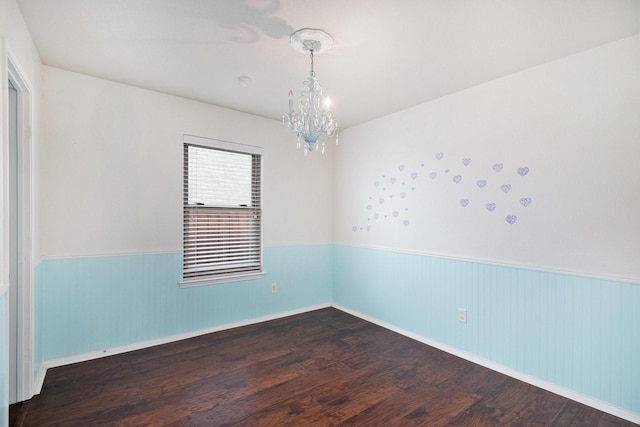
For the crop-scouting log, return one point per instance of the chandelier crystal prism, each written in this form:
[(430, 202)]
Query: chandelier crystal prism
[(312, 122)]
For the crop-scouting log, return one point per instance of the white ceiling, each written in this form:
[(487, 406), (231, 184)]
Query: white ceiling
[(388, 55)]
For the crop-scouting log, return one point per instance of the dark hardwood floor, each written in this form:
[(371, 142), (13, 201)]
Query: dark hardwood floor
[(320, 368)]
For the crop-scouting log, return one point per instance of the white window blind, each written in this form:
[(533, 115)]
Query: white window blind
[(222, 210)]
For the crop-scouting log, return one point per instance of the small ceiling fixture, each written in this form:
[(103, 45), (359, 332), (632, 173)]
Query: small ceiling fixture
[(245, 81), (312, 122)]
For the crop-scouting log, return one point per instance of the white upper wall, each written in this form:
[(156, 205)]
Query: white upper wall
[(111, 169), (535, 169)]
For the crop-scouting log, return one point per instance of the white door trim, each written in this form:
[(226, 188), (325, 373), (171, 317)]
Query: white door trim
[(25, 333)]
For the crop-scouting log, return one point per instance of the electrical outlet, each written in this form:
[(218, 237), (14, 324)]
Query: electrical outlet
[(274, 288), (462, 315)]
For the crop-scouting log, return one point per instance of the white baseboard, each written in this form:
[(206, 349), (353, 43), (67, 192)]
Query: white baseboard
[(53, 363), (634, 417)]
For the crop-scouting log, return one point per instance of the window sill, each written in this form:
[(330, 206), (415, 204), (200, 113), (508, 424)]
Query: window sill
[(223, 279)]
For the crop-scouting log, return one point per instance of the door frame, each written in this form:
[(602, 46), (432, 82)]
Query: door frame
[(25, 317)]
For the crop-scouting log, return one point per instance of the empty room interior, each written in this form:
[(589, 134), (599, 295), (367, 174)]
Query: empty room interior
[(401, 182)]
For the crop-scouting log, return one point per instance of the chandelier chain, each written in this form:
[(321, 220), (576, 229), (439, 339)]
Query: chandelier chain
[(313, 73)]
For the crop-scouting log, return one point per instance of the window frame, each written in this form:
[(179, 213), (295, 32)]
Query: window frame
[(215, 144)]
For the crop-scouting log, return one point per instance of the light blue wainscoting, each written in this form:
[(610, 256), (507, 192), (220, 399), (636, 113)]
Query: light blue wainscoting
[(582, 334), (85, 305), (4, 359)]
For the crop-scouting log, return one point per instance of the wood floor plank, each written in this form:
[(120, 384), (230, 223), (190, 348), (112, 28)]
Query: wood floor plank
[(322, 368), (576, 414), (413, 407), (498, 406), (206, 392)]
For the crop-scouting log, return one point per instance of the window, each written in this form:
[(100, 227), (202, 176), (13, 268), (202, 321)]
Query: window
[(222, 211)]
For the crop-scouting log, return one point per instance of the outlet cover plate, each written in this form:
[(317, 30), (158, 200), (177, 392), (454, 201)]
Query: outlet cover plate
[(462, 315)]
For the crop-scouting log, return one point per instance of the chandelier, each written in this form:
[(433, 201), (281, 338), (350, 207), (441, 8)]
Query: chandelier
[(312, 121)]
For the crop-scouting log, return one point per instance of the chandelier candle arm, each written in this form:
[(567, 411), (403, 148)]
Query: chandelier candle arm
[(312, 122), (290, 102)]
